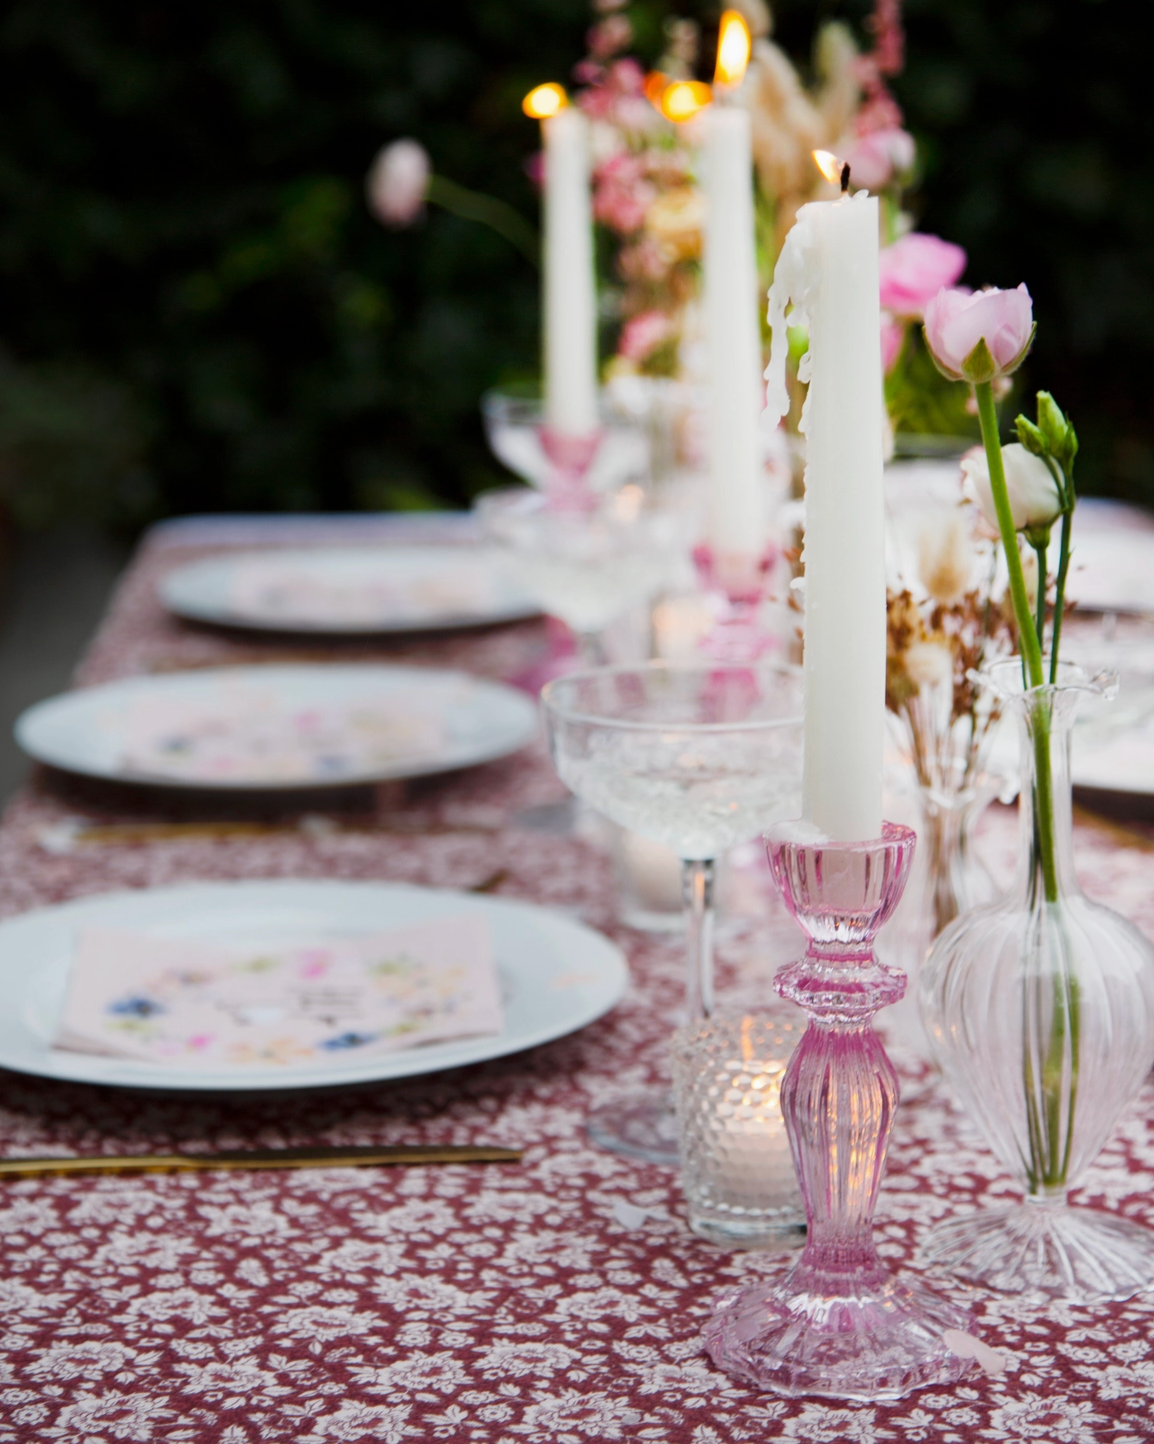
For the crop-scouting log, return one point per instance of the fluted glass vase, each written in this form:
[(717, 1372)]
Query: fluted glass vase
[(1040, 1011)]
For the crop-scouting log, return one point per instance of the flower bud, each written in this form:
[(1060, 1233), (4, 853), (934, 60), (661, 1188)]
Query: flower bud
[(979, 337), (1035, 502), (396, 184)]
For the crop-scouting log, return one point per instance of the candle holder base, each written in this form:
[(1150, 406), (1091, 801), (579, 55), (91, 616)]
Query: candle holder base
[(843, 1335), (570, 458), (736, 583), (838, 1324)]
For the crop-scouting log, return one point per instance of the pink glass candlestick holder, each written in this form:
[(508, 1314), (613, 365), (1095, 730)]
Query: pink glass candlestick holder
[(737, 582), (570, 458), (839, 1323)]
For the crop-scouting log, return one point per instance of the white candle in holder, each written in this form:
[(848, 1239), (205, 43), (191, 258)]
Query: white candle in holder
[(828, 268), (737, 522), (568, 288)]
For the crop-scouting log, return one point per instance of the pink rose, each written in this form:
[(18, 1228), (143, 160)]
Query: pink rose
[(395, 185), (914, 269), (979, 337), (641, 335), (622, 195), (875, 159), (893, 334)]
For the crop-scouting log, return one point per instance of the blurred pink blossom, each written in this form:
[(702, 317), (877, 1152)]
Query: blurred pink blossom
[(617, 94), (641, 335), (396, 183), (914, 269), (893, 334), (957, 320), (609, 36), (622, 195), (534, 166), (875, 158)]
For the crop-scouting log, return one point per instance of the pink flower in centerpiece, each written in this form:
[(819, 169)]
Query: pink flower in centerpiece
[(396, 183), (893, 334), (914, 269), (979, 336), (642, 334), (609, 36), (876, 158), (622, 196)]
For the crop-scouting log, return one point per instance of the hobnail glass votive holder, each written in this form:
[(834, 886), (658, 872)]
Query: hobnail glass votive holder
[(736, 1170)]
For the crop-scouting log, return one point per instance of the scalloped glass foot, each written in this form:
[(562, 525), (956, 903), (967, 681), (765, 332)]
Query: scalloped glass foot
[(1078, 1255), (640, 1125), (873, 1342)]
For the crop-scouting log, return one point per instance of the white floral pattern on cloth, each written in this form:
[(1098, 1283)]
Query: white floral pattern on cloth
[(486, 1305)]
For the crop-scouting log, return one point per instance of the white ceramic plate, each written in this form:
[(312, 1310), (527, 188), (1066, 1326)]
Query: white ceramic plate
[(556, 975), (343, 590), (249, 727)]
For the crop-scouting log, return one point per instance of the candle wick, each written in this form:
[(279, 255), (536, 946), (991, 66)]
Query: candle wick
[(845, 178)]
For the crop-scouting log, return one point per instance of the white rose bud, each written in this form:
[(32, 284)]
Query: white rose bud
[(1030, 485), (395, 185)]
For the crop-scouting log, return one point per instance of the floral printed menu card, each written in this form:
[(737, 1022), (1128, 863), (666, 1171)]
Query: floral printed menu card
[(189, 1004), (248, 732)]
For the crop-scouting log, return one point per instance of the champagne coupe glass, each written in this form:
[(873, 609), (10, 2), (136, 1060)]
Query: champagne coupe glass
[(520, 438), (699, 758), (585, 566)]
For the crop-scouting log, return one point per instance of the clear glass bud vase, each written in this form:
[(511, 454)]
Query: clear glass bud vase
[(948, 877), (1040, 1011)]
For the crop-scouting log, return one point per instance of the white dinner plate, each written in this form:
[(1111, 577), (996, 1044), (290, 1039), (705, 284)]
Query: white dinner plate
[(556, 975), (279, 727), (342, 590)]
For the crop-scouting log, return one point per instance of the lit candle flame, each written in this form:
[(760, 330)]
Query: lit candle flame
[(733, 47), (828, 164), (684, 99), (655, 84), (544, 101)]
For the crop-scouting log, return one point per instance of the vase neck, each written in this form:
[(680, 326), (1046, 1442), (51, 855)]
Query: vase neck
[(1045, 807)]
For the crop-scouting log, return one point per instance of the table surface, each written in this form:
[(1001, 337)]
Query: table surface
[(502, 1305)]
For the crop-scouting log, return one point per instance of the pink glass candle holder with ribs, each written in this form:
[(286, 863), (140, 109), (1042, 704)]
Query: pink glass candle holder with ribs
[(839, 1323)]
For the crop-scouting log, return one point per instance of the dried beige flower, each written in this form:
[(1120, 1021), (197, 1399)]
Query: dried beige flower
[(675, 220), (930, 663), (946, 557), (1030, 575)]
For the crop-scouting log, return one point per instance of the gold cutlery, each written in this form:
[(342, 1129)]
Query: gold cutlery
[(128, 833), (352, 1156)]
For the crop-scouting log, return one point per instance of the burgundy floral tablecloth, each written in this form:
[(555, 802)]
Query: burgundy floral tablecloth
[(495, 1304)]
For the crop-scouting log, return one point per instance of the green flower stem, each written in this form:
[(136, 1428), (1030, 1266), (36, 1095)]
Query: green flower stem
[(487, 211), (1060, 591), (1028, 637), (1040, 603), (1029, 640)]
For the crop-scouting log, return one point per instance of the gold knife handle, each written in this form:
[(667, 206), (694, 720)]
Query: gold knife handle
[(353, 1156)]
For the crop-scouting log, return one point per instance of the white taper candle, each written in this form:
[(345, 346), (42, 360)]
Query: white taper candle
[(737, 507), (570, 304), (829, 268)]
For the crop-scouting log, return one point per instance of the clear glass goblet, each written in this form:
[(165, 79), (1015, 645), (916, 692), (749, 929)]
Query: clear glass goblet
[(699, 758), (520, 438), (587, 567)]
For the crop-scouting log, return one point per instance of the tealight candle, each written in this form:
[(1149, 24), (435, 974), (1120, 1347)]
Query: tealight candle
[(736, 1164)]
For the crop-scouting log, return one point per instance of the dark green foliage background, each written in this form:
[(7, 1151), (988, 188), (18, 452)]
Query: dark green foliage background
[(197, 312)]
